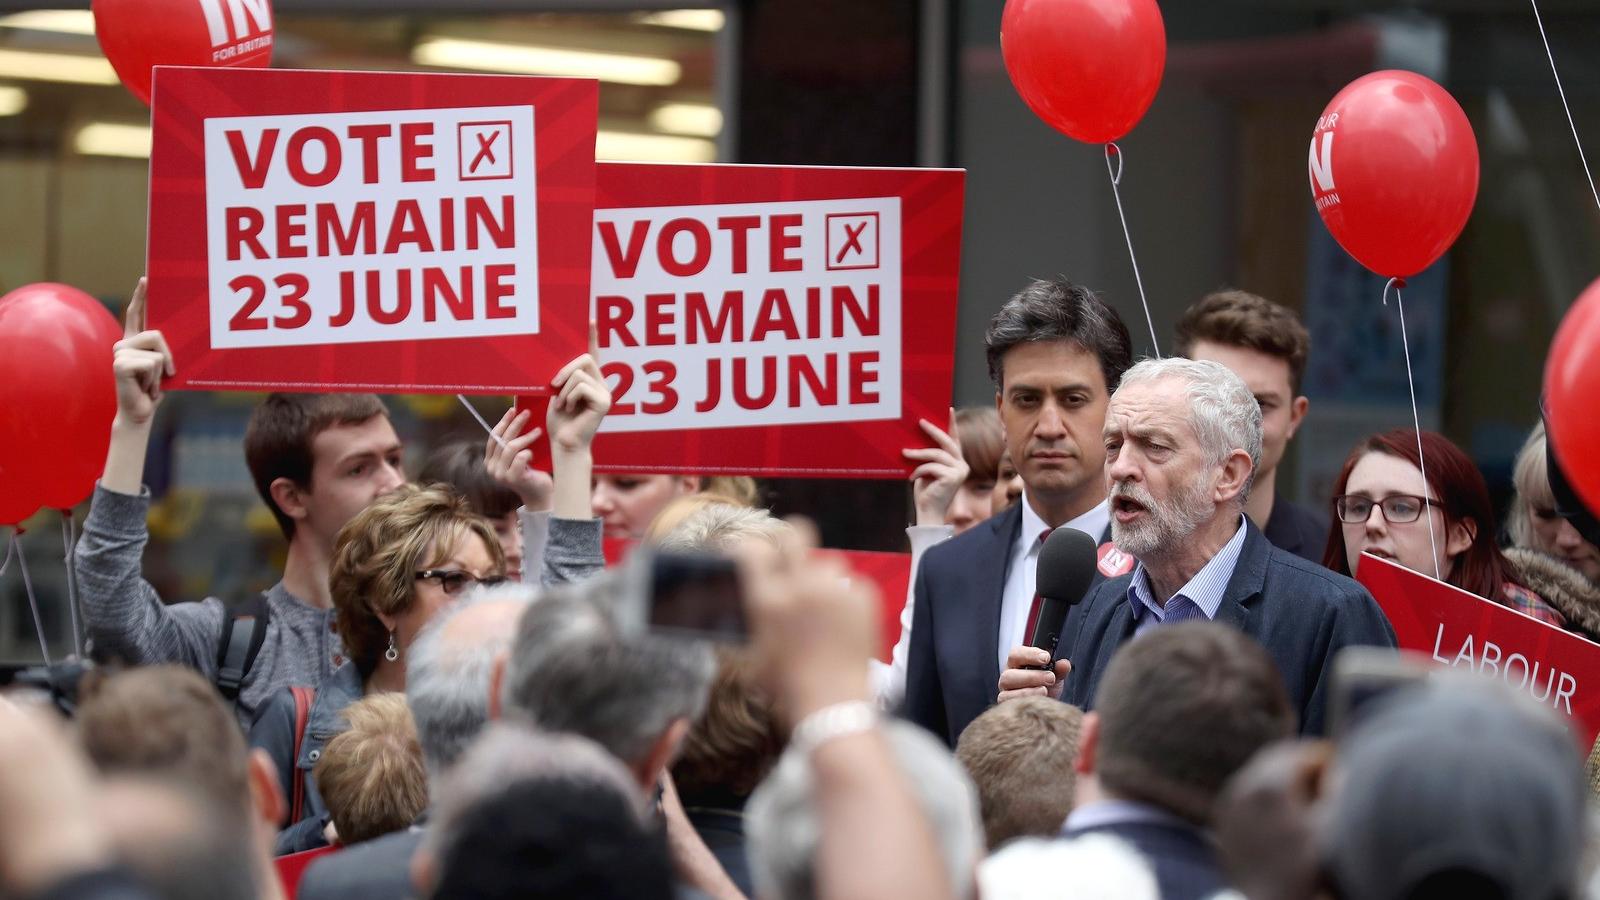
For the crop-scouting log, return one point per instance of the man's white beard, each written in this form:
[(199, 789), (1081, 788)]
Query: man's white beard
[(1165, 525)]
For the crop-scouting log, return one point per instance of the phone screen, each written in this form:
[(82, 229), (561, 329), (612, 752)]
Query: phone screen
[(698, 595), (1364, 675)]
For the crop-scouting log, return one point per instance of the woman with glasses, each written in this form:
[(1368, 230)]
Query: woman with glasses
[(1385, 509), (1550, 554), (395, 566)]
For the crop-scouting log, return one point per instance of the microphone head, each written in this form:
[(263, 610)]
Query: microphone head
[(1066, 565)]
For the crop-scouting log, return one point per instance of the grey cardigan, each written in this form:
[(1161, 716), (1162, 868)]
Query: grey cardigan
[(126, 618)]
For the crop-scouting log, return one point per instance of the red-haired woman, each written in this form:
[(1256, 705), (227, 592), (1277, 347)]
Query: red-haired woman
[(1384, 509)]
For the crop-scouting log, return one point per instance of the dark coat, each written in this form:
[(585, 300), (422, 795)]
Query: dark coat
[(1301, 613), (1182, 857), (379, 869), (274, 732), (1297, 529), (953, 667)]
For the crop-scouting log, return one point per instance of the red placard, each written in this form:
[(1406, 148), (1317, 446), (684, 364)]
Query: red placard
[(330, 231), (1462, 630), (891, 572), (292, 867), (773, 320)]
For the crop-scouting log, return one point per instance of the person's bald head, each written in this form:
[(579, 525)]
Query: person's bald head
[(449, 669)]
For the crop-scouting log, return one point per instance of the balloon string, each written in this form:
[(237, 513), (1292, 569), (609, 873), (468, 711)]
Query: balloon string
[(1416, 423), (1113, 152), (1563, 93), (69, 539), (11, 552), (33, 601), (486, 426)]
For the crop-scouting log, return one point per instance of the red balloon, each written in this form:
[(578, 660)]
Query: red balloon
[(17, 501), (57, 391), (1394, 171), (1571, 383), (1089, 68), (137, 34)]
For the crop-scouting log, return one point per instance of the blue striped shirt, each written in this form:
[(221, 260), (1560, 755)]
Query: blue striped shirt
[(1204, 590)]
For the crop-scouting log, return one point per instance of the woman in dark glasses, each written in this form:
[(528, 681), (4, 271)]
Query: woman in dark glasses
[(1549, 551), (1384, 508), (395, 566)]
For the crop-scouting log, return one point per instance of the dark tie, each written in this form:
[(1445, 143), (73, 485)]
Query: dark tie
[(1033, 609)]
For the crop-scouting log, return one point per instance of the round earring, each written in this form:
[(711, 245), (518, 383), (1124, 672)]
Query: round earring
[(392, 653)]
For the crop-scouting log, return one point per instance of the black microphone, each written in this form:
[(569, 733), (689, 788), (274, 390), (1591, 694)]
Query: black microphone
[(1066, 566)]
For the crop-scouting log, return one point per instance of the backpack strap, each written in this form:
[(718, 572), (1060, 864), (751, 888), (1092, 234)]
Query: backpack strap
[(302, 714), (244, 628)]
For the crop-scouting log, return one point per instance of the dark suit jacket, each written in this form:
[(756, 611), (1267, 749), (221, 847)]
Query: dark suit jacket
[(1301, 613), (379, 869), (1297, 529), (1183, 858), (723, 832), (953, 668)]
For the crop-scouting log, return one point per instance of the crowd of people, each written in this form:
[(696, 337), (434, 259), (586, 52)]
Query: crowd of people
[(450, 695)]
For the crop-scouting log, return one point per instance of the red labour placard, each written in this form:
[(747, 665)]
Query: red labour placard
[(329, 231), (1464, 631), (773, 320)]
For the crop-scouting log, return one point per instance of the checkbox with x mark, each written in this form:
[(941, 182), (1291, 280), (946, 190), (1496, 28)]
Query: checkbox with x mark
[(485, 150), (852, 240)]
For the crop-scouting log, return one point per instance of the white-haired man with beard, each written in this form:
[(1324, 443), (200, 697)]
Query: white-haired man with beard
[(1182, 441)]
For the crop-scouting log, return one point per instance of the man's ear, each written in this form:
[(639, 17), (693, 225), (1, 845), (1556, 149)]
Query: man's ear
[(1088, 744), (289, 497), (497, 677), (266, 795), (1236, 470), (1298, 407), (661, 754)]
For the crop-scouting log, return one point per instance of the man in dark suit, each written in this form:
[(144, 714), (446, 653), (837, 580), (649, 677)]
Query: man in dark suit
[(1266, 346), (1182, 709), (1182, 440), (1055, 352)]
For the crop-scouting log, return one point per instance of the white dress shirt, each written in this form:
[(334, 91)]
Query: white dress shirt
[(1017, 598)]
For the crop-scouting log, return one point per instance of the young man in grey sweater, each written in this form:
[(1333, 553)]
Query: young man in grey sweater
[(317, 461)]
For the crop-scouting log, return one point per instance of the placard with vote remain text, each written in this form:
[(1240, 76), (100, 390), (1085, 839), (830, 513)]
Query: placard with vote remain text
[(397, 232), (773, 320)]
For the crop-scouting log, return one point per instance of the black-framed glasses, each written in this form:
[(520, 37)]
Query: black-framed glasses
[(1398, 509), (454, 581)]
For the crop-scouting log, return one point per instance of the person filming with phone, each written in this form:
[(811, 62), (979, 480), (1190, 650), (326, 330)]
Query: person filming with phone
[(1182, 444)]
